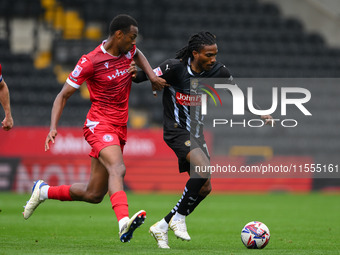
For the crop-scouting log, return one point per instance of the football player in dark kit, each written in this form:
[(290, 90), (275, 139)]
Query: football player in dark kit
[(184, 133)]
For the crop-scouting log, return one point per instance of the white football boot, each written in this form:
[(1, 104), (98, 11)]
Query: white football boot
[(180, 229), (34, 200), (160, 236), (125, 233)]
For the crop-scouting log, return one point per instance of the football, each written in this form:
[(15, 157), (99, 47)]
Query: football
[(255, 235)]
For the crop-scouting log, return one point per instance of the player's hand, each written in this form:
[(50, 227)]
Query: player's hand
[(158, 84), (7, 123), (50, 138), (268, 120), (133, 70)]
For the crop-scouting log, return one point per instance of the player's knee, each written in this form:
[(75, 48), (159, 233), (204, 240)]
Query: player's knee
[(117, 170), (94, 198)]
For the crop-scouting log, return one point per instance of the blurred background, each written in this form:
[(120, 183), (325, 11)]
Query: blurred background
[(42, 40)]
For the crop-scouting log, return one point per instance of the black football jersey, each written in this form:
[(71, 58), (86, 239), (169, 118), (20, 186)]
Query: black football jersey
[(181, 109)]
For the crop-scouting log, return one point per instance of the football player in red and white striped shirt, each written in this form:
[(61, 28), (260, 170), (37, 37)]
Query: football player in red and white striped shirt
[(108, 72), (7, 122)]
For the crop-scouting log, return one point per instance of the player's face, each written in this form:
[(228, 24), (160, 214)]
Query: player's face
[(129, 40), (206, 58)]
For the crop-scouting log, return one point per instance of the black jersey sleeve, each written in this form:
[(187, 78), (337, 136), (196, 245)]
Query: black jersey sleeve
[(140, 77), (164, 70), (167, 69), (224, 73)]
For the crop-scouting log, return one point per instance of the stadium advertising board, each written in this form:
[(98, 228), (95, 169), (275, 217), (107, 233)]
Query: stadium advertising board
[(151, 165)]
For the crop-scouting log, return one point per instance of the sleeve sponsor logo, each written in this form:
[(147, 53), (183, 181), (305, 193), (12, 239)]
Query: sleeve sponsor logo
[(158, 71), (73, 79), (77, 70)]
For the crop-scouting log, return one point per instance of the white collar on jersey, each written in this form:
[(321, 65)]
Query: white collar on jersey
[(104, 51), (189, 68)]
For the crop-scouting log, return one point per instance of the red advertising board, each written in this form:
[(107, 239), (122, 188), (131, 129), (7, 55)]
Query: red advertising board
[(151, 164), (29, 142)]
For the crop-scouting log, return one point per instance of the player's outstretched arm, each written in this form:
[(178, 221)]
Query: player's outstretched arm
[(158, 83), (7, 122), (57, 109), (230, 80), (140, 77)]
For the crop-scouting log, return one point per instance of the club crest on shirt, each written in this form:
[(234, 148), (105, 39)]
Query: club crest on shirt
[(77, 70), (194, 84), (107, 138), (187, 143)]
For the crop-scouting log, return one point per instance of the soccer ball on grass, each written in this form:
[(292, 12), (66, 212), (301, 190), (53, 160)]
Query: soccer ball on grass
[(255, 235)]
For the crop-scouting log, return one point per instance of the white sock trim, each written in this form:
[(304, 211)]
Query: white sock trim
[(122, 222), (163, 225), (178, 216), (44, 192)]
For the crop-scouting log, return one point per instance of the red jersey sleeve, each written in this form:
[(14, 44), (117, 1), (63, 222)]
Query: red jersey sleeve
[(82, 71)]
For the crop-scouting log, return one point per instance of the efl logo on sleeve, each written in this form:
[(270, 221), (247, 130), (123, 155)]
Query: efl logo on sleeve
[(158, 71), (77, 70)]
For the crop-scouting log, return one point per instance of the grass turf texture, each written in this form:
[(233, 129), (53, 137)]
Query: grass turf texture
[(299, 224)]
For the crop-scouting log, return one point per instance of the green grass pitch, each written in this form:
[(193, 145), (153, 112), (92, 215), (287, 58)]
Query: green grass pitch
[(299, 224)]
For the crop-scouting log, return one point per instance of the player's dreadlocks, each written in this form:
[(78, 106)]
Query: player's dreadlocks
[(196, 42)]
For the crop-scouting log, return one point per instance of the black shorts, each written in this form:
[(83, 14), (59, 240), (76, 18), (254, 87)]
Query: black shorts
[(181, 143)]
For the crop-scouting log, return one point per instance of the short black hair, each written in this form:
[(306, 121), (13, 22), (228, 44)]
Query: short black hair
[(122, 22), (196, 42)]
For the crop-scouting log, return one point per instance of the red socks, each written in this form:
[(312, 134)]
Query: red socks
[(118, 199), (120, 204), (61, 193)]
